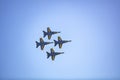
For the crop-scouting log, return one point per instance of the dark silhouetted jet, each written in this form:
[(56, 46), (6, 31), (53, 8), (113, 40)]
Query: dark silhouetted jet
[(42, 43), (53, 54), (49, 33), (60, 42)]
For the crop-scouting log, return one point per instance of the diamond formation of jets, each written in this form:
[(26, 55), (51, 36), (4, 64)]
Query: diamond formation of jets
[(42, 43)]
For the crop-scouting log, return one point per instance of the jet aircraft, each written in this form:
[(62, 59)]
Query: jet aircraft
[(42, 43), (49, 33), (60, 42), (53, 54)]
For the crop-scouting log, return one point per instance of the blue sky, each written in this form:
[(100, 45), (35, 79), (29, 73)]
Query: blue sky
[(92, 25)]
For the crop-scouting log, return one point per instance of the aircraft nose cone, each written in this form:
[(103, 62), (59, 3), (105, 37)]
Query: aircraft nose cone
[(69, 41), (50, 42), (58, 32)]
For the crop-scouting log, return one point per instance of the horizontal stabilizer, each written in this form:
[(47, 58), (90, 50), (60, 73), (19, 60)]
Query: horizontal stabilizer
[(48, 54), (44, 33), (55, 42), (37, 44)]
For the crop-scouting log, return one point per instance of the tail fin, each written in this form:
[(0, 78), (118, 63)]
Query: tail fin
[(48, 54), (55, 42), (37, 44), (44, 33)]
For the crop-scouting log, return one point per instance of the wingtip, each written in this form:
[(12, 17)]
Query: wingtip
[(60, 47), (48, 27), (51, 49), (42, 49)]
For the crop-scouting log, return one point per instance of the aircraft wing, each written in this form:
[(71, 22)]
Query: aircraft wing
[(48, 29), (52, 50), (59, 38), (53, 57), (60, 45), (49, 36), (42, 47), (41, 40)]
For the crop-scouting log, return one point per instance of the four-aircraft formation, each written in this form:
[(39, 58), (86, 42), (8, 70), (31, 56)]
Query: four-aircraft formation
[(58, 42)]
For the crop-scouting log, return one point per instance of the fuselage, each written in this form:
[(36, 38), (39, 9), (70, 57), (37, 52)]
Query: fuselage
[(63, 41), (51, 33), (44, 43)]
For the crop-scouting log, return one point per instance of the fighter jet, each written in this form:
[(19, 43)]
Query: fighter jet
[(49, 33), (42, 43), (53, 54), (60, 42)]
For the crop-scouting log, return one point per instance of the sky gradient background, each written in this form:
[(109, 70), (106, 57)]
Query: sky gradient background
[(92, 25)]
